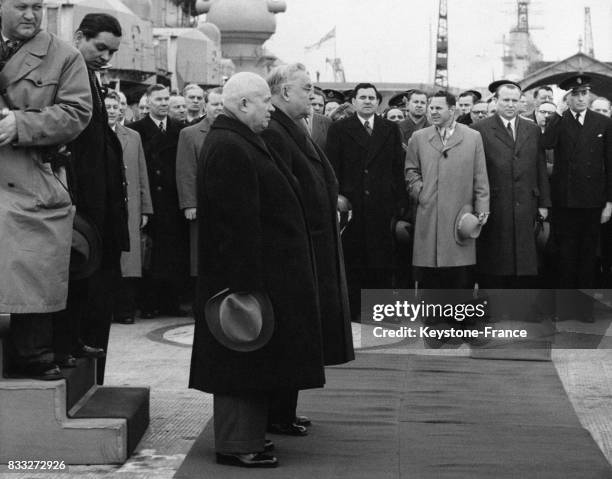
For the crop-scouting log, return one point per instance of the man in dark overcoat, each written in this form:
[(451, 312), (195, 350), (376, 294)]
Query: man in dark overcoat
[(516, 167), (253, 236), (291, 88), (581, 186), (168, 228), (100, 194), (367, 156)]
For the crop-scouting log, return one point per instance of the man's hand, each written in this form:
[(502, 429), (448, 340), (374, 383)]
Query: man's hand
[(144, 219), (482, 218), (8, 129), (543, 212), (190, 213), (606, 213)]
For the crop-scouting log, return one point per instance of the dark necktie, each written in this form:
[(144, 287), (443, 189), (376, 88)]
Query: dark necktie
[(578, 119), (510, 132), (161, 127), (367, 127), (7, 50)]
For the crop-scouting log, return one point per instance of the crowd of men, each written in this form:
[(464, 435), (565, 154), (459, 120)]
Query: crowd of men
[(285, 201)]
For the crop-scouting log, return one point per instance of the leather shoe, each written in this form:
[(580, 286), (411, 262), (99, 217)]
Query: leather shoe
[(125, 320), (66, 361), (40, 370), (176, 313), (288, 429), (254, 459), (302, 421), (89, 352), (147, 314)]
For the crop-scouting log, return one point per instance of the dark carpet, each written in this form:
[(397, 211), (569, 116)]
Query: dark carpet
[(403, 416)]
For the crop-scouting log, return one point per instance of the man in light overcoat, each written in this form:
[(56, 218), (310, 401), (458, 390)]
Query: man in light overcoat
[(445, 171), (49, 103)]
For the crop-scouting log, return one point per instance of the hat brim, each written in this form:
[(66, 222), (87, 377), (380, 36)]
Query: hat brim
[(213, 320), (466, 209)]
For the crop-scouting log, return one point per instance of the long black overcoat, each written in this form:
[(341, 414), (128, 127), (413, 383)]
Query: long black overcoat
[(253, 236), (518, 185), (98, 178), (168, 227), (370, 172), (319, 189)]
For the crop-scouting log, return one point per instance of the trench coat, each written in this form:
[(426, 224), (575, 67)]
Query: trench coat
[(138, 197), (519, 186), (370, 172), (46, 83), (442, 179), (319, 189), (191, 140), (254, 236), (168, 228)]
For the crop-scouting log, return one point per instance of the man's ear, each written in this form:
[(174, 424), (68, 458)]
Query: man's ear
[(78, 37), (242, 105)]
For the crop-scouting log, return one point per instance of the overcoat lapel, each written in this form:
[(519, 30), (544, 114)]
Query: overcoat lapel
[(122, 135), (522, 133), (26, 59), (297, 134), (502, 133), (357, 131), (378, 138)]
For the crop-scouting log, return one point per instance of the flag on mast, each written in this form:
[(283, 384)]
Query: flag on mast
[(328, 36)]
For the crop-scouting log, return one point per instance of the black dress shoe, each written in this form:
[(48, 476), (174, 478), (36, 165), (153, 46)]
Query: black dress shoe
[(89, 352), (254, 459), (125, 320), (288, 429), (40, 370), (147, 314), (302, 421), (175, 313), (66, 361)]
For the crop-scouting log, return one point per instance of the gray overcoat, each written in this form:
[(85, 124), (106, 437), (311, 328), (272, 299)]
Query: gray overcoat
[(442, 179), (47, 84)]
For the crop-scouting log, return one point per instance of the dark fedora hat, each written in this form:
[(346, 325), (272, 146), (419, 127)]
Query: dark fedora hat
[(86, 250), (403, 231), (240, 321), (496, 84), (467, 225), (542, 235)]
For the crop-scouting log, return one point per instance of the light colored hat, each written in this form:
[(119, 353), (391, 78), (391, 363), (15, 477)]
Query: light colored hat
[(467, 225), (240, 321)]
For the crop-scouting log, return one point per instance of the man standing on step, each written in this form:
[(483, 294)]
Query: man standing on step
[(100, 194), (36, 211)]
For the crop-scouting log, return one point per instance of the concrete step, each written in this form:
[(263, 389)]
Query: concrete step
[(131, 404), (34, 425), (70, 420)]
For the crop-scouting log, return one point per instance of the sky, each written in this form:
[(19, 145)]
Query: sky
[(389, 40)]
